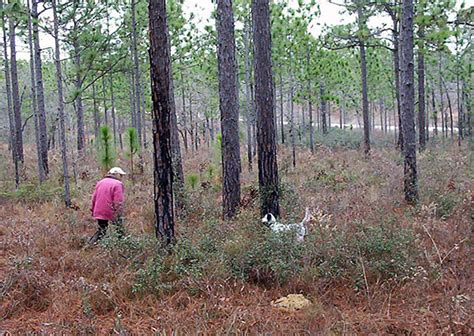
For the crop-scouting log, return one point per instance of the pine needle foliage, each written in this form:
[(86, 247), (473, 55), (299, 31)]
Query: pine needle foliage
[(106, 150), (131, 144)]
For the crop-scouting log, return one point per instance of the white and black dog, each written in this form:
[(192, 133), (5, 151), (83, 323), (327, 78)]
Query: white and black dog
[(299, 228)]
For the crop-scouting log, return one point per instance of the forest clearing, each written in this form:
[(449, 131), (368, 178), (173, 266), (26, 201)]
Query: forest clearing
[(236, 167)]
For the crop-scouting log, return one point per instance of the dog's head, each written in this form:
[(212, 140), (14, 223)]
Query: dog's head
[(268, 219)]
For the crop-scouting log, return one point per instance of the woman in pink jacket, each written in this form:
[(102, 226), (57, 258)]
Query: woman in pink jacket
[(107, 202)]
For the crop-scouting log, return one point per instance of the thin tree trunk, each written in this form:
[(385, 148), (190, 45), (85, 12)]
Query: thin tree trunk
[(248, 105), (11, 120), (435, 112), (136, 69), (459, 105), (396, 72), (78, 85), (267, 158), (450, 108), (329, 114), (41, 172), (310, 109), (185, 126), (95, 113), (112, 102), (15, 95), (40, 89), (292, 119), (161, 96), (282, 127), (62, 128), (408, 104), (104, 102), (133, 116), (323, 108), (421, 91), (176, 160)]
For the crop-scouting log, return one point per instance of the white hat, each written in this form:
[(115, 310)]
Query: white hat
[(116, 170)]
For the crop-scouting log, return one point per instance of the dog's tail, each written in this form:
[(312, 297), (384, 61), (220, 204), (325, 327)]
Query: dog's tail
[(307, 217)]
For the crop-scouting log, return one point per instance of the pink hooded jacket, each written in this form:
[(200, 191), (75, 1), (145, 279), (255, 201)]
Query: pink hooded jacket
[(108, 197)]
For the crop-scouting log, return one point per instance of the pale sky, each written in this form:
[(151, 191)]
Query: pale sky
[(330, 15)]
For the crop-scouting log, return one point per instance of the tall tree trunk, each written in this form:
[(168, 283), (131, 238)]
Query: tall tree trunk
[(78, 85), (396, 73), (178, 174), (62, 128), (248, 98), (183, 117), (450, 108), (133, 117), (329, 114), (435, 112), (191, 123), (11, 120), (444, 129), (104, 102), (160, 75), (408, 104), (34, 107), (292, 118), (421, 91), (95, 113), (267, 158), (310, 109), (459, 105), (137, 77), (229, 108), (322, 95), (282, 127), (363, 71), (40, 88), (15, 95), (112, 102)]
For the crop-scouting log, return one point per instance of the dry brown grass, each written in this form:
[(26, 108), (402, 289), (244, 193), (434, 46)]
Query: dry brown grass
[(51, 284)]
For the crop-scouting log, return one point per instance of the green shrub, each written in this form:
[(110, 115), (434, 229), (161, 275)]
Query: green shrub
[(132, 145), (106, 152), (192, 180), (273, 258), (341, 138)]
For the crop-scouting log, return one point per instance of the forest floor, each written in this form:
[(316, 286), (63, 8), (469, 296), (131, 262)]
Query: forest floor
[(371, 263)]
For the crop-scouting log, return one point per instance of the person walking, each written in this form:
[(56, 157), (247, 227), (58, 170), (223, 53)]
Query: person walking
[(107, 203)]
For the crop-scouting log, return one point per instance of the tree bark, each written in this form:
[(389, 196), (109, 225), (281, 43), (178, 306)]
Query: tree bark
[(62, 128), (267, 157), (396, 73), (229, 108), (322, 95), (363, 71), (248, 98), (40, 89), (11, 120), (95, 113), (292, 118), (178, 174), (136, 69), (34, 106), (15, 95), (160, 86), (112, 102), (408, 104), (421, 91), (78, 84)]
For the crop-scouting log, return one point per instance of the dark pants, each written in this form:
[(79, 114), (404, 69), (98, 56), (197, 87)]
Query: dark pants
[(102, 230)]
